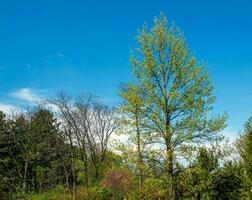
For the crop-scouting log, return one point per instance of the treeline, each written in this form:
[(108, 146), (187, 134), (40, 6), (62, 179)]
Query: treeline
[(41, 149), (173, 148), (68, 150)]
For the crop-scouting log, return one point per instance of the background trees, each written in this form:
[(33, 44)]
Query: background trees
[(9, 175), (244, 146), (88, 124), (27, 141), (40, 151)]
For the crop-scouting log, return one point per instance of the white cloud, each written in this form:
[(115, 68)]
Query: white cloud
[(26, 94), (52, 107), (60, 55), (8, 109), (230, 133), (123, 138)]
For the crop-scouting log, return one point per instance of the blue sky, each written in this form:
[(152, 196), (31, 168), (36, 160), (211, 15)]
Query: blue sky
[(51, 45)]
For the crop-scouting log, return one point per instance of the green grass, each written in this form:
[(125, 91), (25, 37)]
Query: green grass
[(61, 193), (56, 194)]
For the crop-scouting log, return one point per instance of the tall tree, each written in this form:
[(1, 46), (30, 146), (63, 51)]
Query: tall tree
[(10, 165), (132, 120), (132, 117), (89, 124), (44, 130), (177, 93), (244, 146), (24, 142), (63, 104)]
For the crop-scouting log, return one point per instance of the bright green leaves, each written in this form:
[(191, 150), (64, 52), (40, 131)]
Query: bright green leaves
[(171, 96), (175, 87), (244, 146)]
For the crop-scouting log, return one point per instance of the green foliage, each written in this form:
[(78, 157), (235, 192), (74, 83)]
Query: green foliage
[(205, 179), (244, 146), (153, 188), (197, 180), (174, 91), (177, 92), (10, 160), (58, 193), (228, 183), (99, 193), (29, 159)]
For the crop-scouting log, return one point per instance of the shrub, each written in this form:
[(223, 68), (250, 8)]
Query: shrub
[(118, 181)]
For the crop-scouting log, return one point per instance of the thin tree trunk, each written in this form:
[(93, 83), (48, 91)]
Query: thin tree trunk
[(85, 160), (169, 157), (73, 170), (140, 160), (66, 176), (25, 176), (65, 170), (171, 191)]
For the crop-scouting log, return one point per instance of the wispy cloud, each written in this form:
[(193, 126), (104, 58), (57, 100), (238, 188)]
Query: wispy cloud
[(61, 55), (26, 94)]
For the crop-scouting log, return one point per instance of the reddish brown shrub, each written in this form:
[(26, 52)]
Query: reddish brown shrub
[(118, 180)]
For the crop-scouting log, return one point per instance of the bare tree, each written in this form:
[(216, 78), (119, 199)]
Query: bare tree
[(88, 124), (63, 104), (96, 122)]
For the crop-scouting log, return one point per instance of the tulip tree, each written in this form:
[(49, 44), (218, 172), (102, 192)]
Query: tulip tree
[(177, 94)]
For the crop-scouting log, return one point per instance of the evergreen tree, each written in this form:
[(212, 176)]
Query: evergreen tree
[(244, 146), (228, 183)]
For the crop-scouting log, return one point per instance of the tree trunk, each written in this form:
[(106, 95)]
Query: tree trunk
[(140, 160), (85, 171), (169, 157), (74, 182), (66, 176), (63, 159), (73, 170), (25, 176), (85, 161), (171, 191)]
